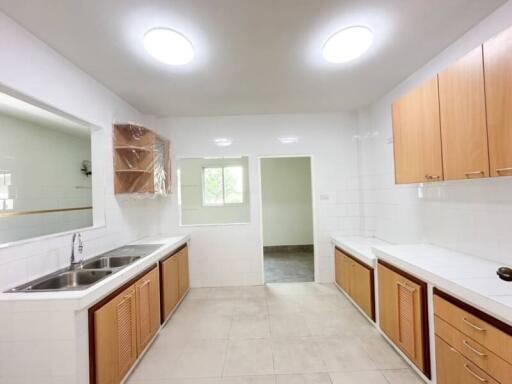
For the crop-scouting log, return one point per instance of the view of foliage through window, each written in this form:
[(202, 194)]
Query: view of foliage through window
[(223, 185)]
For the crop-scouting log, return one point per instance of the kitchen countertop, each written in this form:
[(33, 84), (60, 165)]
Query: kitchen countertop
[(469, 278), (78, 300), (360, 247)]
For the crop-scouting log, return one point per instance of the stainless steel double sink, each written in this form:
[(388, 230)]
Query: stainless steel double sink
[(90, 272)]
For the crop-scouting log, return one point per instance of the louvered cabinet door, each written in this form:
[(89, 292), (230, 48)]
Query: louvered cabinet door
[(126, 331), (170, 285), (148, 308), (408, 332), (387, 301), (183, 271), (114, 334)]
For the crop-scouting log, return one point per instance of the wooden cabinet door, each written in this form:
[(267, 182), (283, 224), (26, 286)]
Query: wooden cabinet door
[(498, 86), (183, 271), (417, 135), (170, 285), (409, 334), (402, 311), (115, 326), (387, 302), (453, 368), (337, 266), (463, 118), (148, 308), (345, 273), (362, 287)]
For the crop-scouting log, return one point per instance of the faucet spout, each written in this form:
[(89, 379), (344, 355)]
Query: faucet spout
[(73, 261)]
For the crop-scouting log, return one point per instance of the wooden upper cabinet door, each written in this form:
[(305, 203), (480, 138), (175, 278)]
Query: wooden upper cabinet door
[(148, 308), (417, 135), (463, 118), (170, 285), (498, 89), (183, 270)]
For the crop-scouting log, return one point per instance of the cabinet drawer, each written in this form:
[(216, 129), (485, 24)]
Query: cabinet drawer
[(470, 349), (453, 368), (475, 327)]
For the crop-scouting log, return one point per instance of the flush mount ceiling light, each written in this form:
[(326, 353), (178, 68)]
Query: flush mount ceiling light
[(347, 44), (168, 46), (223, 142)]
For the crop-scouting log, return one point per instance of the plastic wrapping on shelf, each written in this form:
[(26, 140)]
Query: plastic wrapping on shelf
[(141, 161)]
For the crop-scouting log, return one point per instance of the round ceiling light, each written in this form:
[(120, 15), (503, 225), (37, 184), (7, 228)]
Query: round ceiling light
[(168, 46), (347, 44)]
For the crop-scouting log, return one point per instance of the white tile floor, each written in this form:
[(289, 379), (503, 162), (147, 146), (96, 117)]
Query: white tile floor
[(294, 333)]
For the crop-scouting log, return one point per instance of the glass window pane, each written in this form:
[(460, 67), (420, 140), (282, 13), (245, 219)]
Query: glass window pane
[(9, 204), (212, 186), (234, 185)]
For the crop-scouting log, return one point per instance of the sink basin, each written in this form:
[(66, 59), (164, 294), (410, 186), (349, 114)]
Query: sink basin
[(110, 262), (74, 278), (69, 280)]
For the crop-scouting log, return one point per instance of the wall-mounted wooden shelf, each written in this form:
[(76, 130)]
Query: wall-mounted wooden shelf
[(141, 160)]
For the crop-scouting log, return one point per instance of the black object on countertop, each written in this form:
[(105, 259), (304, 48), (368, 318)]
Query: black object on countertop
[(505, 273)]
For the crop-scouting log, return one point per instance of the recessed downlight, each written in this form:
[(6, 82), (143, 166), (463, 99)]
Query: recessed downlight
[(223, 142), (347, 44), (168, 46), (289, 140)]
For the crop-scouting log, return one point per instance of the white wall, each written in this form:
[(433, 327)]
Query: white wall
[(287, 211), (232, 254), (30, 67), (469, 216), (192, 209)]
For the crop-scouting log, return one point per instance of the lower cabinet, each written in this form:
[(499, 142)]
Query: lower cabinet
[(123, 324), (147, 291), (175, 280), (356, 279), (471, 346), (403, 314)]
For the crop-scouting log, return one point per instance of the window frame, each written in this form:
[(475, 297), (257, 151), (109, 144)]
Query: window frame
[(224, 203)]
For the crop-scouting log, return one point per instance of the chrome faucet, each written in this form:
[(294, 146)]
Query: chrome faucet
[(74, 263)]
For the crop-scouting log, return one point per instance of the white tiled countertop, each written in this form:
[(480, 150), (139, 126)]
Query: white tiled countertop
[(466, 277), (78, 300), (360, 247)]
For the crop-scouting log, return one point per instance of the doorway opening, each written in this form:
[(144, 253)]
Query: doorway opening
[(287, 219)]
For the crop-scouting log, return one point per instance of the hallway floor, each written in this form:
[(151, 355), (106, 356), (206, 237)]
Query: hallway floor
[(289, 266), (303, 333)]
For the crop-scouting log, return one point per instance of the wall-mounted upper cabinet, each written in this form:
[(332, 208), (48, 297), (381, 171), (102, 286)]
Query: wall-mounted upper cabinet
[(458, 125), (463, 119), (498, 88), (417, 135)]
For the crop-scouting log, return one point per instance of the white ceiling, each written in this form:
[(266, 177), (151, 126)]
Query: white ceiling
[(252, 56)]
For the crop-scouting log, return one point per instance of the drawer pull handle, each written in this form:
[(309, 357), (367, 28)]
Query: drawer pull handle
[(405, 286), (474, 173), (466, 344), (502, 170), (481, 379), (473, 325)]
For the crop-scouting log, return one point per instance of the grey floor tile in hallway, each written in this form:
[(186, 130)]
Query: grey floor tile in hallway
[(295, 333), (289, 266)]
